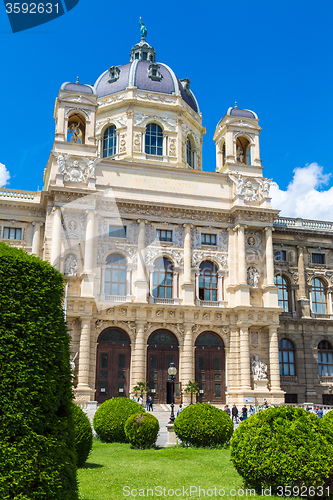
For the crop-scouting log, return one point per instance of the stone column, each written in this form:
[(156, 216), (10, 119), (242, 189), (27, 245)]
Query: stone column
[(56, 238), (242, 272), (141, 281), (36, 238), (245, 358), (274, 368), (229, 144), (179, 141), (232, 382), (87, 285), (139, 349), (83, 390), (187, 254), (129, 146), (220, 276), (231, 256), (187, 361), (303, 301), (187, 286), (175, 285), (269, 257)]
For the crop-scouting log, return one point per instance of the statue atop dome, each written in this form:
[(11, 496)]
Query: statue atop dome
[(143, 29)]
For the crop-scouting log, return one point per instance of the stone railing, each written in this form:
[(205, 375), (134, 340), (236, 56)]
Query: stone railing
[(18, 194), (303, 224)]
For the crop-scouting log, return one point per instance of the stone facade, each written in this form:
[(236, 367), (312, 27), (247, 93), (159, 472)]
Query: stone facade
[(166, 262)]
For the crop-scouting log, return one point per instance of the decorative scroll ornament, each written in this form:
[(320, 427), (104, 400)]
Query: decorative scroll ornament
[(253, 277), (258, 368), (200, 256), (71, 265)]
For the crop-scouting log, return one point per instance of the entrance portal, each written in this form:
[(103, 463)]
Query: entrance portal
[(162, 350), (210, 368), (113, 365)]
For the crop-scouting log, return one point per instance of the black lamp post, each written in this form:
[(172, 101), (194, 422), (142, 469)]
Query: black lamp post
[(172, 371)]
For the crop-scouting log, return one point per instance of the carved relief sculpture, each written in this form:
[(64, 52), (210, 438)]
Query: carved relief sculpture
[(253, 277), (71, 265), (258, 368)]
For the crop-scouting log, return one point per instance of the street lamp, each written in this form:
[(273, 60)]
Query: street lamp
[(172, 371)]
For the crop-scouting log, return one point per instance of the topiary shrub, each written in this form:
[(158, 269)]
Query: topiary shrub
[(282, 447), (203, 425), (110, 418), (83, 435), (37, 451), (141, 430)]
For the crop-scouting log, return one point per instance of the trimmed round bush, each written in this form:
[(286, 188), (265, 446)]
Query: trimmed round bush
[(83, 435), (203, 425), (111, 416), (282, 447), (37, 449), (142, 429)]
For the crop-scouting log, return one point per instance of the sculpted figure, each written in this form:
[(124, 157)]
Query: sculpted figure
[(71, 266), (61, 163), (75, 128), (253, 277), (239, 182), (240, 155), (265, 185), (143, 29), (258, 368), (91, 168)]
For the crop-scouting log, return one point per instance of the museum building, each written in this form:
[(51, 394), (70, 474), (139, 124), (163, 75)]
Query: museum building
[(165, 262)]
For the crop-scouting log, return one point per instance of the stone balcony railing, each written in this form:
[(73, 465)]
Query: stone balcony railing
[(170, 302), (115, 298), (287, 222), (19, 195)]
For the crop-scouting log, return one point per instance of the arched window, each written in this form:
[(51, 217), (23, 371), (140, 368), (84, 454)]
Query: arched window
[(154, 140), (325, 359), (287, 358), (189, 153), (109, 142), (208, 281), (318, 296), (162, 278), (115, 275), (283, 293)]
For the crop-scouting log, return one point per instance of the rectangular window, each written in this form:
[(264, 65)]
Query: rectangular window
[(280, 255), (164, 235), (208, 239), (12, 233), (290, 398), (117, 231), (318, 258)]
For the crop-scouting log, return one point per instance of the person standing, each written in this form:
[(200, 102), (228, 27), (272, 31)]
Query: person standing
[(151, 403), (179, 409), (244, 413), (252, 410), (147, 402), (227, 409), (234, 413), (320, 413), (140, 399)]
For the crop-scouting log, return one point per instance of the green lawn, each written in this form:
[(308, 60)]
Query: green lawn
[(111, 467)]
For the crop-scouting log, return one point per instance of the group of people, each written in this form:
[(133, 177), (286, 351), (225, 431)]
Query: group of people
[(319, 411), (234, 414), (149, 402)]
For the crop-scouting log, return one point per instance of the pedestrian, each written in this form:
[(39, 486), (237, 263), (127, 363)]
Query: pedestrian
[(265, 404), (179, 409), (252, 410), (227, 409), (244, 413), (151, 403), (140, 399), (234, 413), (307, 408), (147, 402), (320, 413)]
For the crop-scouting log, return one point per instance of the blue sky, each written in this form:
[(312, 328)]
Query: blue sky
[(272, 57)]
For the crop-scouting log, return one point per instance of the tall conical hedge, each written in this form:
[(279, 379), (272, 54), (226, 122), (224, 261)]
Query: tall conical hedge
[(37, 454)]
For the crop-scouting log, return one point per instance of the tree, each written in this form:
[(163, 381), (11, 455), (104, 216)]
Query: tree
[(141, 388), (191, 388), (37, 448)]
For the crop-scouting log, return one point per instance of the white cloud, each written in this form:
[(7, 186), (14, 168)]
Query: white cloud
[(305, 196), (4, 175)]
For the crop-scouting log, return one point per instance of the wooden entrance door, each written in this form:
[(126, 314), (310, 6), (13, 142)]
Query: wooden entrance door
[(210, 368), (162, 350), (113, 365)]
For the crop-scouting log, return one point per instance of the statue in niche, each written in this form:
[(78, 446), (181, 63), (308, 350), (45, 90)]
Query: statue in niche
[(75, 128), (71, 266), (253, 277), (258, 368), (143, 29), (240, 157)]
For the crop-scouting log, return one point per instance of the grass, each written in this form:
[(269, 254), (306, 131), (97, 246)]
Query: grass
[(112, 467)]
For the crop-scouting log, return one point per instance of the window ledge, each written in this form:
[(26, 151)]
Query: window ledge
[(115, 298), (210, 303), (288, 379)]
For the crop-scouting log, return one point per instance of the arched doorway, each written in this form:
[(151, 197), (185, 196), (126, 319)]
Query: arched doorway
[(113, 364), (210, 367), (162, 350)]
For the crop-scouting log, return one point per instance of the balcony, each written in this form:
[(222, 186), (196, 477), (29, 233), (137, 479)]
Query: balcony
[(288, 379), (169, 302), (115, 298), (209, 303)]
